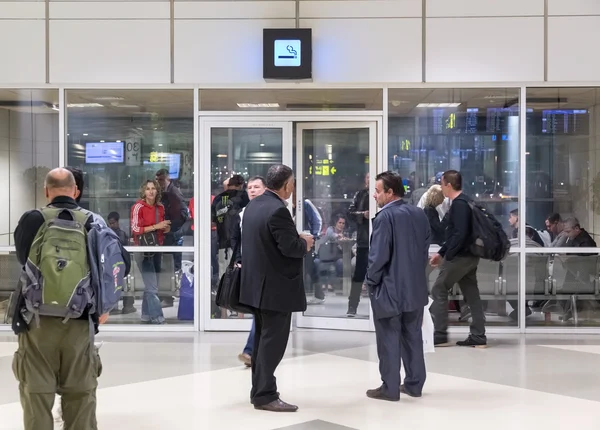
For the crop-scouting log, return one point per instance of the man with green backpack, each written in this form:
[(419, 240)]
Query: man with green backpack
[(58, 309)]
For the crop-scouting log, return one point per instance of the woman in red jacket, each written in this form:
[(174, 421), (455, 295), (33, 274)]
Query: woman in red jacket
[(148, 227)]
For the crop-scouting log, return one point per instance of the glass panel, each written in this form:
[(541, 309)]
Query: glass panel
[(563, 167), (10, 269), (292, 100), (563, 290), (155, 290), (28, 151), (122, 138), (498, 289), (237, 155), (335, 163), (474, 131)]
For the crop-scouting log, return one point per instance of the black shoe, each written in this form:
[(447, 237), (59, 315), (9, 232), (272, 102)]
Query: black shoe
[(377, 394), (472, 343), (403, 391), (277, 406), (514, 315), (351, 312)]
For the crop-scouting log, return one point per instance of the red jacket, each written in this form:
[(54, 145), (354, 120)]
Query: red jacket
[(144, 215)]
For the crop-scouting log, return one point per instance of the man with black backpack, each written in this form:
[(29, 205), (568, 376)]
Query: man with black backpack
[(60, 301), (457, 265), (225, 212)]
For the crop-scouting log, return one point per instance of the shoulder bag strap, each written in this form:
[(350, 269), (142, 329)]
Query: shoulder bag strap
[(235, 252)]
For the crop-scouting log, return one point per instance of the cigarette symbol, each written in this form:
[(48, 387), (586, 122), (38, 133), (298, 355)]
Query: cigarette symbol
[(292, 51)]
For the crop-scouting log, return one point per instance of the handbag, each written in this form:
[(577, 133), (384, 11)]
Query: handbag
[(329, 252), (228, 292), (150, 238)]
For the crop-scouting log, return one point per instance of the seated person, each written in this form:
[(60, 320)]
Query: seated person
[(580, 267), (330, 253)]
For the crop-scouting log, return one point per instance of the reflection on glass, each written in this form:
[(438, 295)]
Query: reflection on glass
[(474, 131), (10, 270), (563, 175), (498, 284), (28, 151), (121, 138), (565, 291), (237, 156), (336, 211), (167, 282)]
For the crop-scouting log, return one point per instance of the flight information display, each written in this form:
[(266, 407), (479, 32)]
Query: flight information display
[(104, 152), (565, 121)]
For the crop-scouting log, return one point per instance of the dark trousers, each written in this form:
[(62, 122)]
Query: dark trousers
[(360, 271), (57, 358), (272, 331), (311, 268), (461, 270), (249, 348), (401, 337)]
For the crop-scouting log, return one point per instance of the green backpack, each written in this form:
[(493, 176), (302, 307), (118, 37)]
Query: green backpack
[(57, 272)]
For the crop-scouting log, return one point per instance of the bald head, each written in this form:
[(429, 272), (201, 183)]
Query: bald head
[(60, 182)]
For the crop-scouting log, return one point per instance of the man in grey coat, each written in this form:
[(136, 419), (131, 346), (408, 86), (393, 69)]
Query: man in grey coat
[(397, 285)]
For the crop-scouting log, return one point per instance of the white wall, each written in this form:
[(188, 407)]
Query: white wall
[(355, 41), (26, 141)]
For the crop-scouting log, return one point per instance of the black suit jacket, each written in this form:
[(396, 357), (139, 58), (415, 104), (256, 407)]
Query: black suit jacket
[(272, 257)]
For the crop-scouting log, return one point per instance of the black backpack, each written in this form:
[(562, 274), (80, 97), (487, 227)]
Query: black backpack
[(488, 239), (227, 213)]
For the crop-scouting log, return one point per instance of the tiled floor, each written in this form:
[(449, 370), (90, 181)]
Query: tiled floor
[(181, 381)]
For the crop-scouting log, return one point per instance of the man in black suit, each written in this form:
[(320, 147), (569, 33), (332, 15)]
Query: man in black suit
[(272, 282)]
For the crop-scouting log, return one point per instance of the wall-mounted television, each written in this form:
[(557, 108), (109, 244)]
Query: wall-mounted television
[(167, 160), (104, 152)]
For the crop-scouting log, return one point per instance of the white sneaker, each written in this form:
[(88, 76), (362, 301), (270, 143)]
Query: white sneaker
[(315, 301)]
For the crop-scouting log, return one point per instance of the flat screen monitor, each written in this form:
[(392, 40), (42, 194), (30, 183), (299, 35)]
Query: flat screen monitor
[(104, 152), (167, 160)]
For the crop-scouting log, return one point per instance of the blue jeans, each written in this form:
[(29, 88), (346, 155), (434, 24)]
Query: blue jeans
[(150, 266), (248, 349)]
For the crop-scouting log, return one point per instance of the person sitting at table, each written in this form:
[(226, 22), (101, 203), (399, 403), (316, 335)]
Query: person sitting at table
[(330, 253)]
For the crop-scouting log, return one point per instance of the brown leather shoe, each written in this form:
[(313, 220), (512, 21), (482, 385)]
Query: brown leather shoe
[(246, 359), (277, 406), (403, 391), (377, 394)]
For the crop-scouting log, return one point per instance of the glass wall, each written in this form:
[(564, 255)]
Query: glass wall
[(28, 151), (474, 131), (136, 147), (563, 203), (238, 156)]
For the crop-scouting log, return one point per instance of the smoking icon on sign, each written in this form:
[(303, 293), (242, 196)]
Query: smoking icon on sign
[(292, 51), (287, 53)]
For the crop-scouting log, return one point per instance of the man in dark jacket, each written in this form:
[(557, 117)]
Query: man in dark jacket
[(398, 288), (458, 265), (359, 213), (272, 282), (577, 237)]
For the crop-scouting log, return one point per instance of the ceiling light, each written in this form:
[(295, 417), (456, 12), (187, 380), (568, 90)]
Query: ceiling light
[(437, 105), (85, 134), (160, 144), (397, 103), (262, 144), (84, 105), (101, 141), (257, 105), (109, 98), (221, 155)]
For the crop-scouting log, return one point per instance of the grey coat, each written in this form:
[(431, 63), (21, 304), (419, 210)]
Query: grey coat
[(398, 257)]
